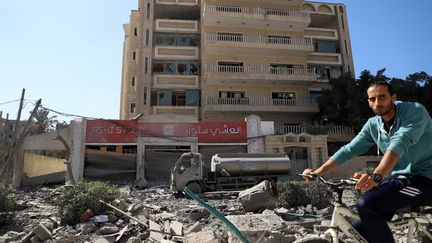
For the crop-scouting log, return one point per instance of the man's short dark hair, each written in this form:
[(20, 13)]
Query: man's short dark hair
[(388, 85)]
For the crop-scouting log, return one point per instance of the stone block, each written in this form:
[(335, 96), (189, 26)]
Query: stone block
[(42, 232)]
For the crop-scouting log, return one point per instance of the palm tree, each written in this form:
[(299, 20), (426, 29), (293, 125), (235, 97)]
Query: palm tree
[(42, 122)]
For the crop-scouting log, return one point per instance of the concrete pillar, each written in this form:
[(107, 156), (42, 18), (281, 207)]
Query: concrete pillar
[(254, 134), (140, 166), (18, 166), (78, 131)]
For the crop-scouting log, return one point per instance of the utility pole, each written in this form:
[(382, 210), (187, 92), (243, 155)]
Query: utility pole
[(5, 169), (18, 163)]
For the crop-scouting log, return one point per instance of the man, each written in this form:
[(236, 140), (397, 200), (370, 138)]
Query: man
[(403, 133)]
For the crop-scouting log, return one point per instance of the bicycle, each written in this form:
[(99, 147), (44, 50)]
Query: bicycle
[(341, 212)]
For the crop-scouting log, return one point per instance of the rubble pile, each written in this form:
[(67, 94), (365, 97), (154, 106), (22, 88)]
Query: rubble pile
[(156, 215)]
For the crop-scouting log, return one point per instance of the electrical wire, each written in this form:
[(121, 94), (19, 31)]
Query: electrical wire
[(7, 102)]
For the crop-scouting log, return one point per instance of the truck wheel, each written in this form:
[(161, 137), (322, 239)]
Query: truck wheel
[(195, 187)]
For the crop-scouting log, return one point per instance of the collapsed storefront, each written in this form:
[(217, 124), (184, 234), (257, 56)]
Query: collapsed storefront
[(120, 149), (129, 150)]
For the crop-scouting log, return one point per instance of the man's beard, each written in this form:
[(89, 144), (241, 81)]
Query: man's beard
[(384, 111)]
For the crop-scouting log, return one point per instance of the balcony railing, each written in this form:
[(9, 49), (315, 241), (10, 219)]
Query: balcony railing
[(259, 11), (260, 104), (261, 72), (337, 130), (258, 41)]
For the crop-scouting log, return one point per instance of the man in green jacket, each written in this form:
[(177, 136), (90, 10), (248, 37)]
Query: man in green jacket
[(403, 133)]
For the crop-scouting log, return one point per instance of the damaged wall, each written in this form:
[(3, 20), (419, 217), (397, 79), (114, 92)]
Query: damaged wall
[(37, 165), (46, 168)]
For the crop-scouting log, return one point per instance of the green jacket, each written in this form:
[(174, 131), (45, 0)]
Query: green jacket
[(410, 137)]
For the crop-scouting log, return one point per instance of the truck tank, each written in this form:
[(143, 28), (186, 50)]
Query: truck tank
[(250, 164)]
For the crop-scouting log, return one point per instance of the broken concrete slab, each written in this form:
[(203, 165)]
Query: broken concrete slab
[(267, 227), (42, 232), (207, 236), (176, 228), (193, 228), (261, 196), (155, 232)]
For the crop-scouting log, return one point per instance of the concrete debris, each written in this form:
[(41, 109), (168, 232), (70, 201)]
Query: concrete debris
[(154, 214), (259, 197)]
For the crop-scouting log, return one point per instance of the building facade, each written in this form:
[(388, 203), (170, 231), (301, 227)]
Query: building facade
[(192, 60)]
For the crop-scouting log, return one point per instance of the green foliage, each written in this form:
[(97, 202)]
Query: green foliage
[(42, 122), (7, 205), (301, 193), (345, 102), (367, 170), (74, 201)]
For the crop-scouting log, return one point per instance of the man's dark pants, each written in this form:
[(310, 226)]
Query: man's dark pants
[(378, 206)]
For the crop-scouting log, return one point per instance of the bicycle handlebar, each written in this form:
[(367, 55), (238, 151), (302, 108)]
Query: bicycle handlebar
[(331, 182)]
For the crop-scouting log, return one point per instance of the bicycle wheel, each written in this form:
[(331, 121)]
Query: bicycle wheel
[(312, 239)]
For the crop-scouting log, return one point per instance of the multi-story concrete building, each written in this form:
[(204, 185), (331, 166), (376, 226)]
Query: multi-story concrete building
[(189, 61), (208, 60)]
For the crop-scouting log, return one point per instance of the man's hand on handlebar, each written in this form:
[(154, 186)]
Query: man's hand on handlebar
[(365, 183), (308, 175)]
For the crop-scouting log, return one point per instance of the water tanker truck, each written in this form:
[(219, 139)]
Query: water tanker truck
[(231, 171)]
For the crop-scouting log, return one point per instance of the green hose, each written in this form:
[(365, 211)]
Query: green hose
[(216, 213)]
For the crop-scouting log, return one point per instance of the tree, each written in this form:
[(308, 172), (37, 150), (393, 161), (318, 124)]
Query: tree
[(42, 122), (342, 103)]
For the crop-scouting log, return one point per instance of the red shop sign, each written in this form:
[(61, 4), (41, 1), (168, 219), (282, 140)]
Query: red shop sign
[(126, 131)]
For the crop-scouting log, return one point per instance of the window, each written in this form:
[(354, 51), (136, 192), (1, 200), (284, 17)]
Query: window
[(326, 46), (132, 107), (233, 98), (135, 31), (283, 98), (314, 94), (178, 98), (164, 97), (147, 38), (176, 39), (346, 47), (342, 22), (192, 97), (145, 95), (230, 67), (148, 10), (178, 67), (229, 36), (133, 55), (278, 39), (133, 81), (146, 65)]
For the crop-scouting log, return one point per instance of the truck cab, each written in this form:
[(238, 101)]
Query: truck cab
[(187, 171)]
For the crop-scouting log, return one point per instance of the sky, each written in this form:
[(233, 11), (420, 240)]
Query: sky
[(69, 52)]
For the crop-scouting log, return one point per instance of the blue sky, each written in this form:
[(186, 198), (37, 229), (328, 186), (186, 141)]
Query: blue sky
[(69, 53)]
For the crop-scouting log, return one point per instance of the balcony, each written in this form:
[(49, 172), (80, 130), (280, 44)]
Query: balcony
[(166, 81), (335, 133), (177, 52), (258, 45), (177, 25), (180, 110), (178, 2), (241, 17), (321, 33), (172, 114), (325, 58), (258, 75), (262, 104), (284, 2)]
